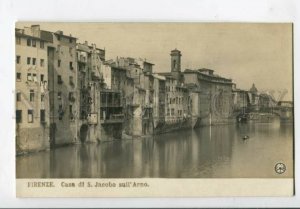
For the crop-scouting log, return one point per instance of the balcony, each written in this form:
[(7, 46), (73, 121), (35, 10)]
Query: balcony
[(113, 118), (148, 105), (72, 99), (82, 59), (95, 77)]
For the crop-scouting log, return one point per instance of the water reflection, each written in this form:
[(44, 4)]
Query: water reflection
[(207, 152)]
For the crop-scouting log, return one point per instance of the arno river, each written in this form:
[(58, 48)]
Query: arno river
[(207, 152)]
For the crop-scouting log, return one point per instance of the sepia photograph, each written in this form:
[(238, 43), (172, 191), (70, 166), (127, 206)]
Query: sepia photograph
[(154, 100)]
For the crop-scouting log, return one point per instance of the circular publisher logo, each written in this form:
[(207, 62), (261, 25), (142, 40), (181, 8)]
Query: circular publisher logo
[(280, 168)]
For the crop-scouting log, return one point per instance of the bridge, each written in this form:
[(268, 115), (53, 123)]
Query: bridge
[(284, 112)]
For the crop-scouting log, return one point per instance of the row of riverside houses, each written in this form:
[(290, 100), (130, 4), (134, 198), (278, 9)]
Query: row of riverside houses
[(67, 92)]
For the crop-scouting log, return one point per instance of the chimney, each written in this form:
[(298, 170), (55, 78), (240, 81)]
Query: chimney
[(35, 30), (60, 32)]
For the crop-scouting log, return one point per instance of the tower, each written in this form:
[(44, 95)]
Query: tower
[(175, 60)]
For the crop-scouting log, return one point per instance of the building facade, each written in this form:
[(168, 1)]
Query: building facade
[(32, 103), (90, 82), (63, 89), (177, 97), (213, 94)]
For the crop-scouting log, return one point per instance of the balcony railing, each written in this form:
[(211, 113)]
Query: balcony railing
[(113, 118), (111, 104)]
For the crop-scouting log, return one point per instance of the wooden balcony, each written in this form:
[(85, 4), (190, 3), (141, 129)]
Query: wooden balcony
[(113, 118)]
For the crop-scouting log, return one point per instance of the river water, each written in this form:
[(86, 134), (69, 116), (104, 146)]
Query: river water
[(206, 152)]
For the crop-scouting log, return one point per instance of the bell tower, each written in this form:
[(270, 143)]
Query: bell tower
[(175, 60)]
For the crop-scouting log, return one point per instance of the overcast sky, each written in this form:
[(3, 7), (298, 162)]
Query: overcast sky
[(247, 53)]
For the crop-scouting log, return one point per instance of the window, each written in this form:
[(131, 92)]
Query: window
[(59, 95), (28, 42), (18, 59), (61, 113), (18, 96), (71, 96), (18, 40), (70, 51), (34, 77), (58, 37), (18, 76), (71, 80), (70, 40), (59, 80), (71, 109), (42, 116), (31, 95), (33, 43), (30, 116), (71, 112), (71, 65), (29, 77), (58, 63), (42, 77), (42, 97), (33, 61), (42, 44), (28, 60), (42, 62), (19, 116), (172, 111)]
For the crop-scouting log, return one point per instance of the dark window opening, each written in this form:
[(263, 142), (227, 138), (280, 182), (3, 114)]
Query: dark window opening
[(59, 80), (42, 62), (19, 116), (28, 42), (31, 95), (18, 76), (18, 96), (42, 44), (18, 60), (30, 116), (33, 43), (42, 77), (43, 116)]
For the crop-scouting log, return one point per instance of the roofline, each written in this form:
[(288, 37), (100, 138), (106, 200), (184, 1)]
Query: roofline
[(29, 36)]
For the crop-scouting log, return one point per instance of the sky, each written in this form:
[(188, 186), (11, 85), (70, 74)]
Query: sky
[(245, 52)]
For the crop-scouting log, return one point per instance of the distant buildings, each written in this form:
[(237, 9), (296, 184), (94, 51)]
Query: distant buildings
[(67, 92)]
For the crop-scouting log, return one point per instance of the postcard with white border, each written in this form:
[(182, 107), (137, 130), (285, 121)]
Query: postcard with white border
[(154, 109)]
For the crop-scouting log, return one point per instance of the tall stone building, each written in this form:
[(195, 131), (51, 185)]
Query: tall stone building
[(63, 90), (212, 101), (90, 83), (140, 110), (32, 103), (177, 98), (159, 102), (113, 101)]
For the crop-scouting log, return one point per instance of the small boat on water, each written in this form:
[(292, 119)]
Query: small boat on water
[(242, 118)]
